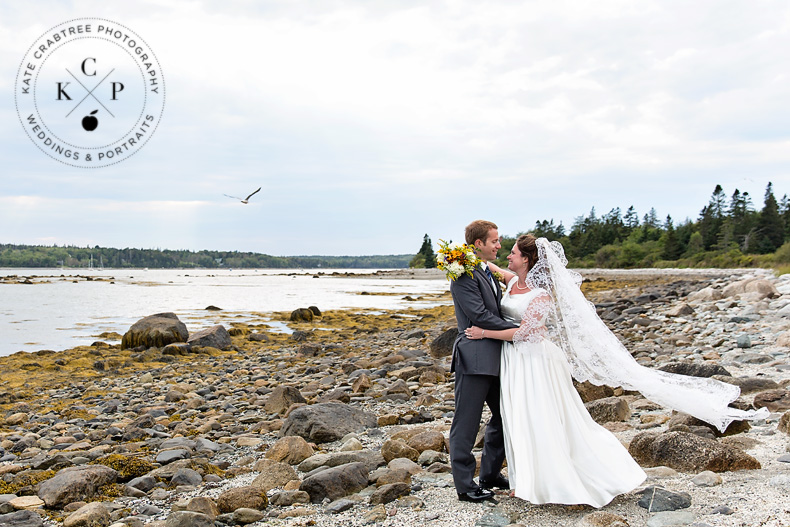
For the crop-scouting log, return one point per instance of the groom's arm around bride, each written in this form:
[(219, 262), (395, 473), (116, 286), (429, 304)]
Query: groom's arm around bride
[(476, 365)]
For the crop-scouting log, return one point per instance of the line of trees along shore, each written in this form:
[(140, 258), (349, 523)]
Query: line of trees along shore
[(85, 257), (729, 232)]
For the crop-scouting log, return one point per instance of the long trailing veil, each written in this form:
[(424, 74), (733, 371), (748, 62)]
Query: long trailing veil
[(596, 355)]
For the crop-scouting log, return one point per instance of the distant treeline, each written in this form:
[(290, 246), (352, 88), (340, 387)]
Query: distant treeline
[(70, 256), (729, 232)]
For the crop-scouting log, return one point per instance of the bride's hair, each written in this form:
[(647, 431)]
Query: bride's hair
[(528, 248)]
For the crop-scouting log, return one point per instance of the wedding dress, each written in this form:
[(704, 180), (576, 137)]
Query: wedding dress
[(556, 452)]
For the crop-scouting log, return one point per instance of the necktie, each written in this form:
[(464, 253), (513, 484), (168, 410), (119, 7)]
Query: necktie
[(490, 276)]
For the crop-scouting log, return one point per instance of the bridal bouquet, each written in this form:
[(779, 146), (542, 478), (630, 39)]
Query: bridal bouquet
[(456, 259)]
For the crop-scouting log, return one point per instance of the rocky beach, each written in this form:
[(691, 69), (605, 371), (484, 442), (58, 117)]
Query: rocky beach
[(344, 421)]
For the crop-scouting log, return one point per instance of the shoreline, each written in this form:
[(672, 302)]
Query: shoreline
[(79, 405)]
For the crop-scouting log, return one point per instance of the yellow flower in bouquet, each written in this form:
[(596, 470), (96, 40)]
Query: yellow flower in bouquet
[(456, 259)]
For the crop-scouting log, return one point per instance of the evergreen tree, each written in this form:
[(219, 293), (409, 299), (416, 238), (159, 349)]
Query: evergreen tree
[(784, 211), (711, 218), (631, 218), (547, 229), (425, 257), (770, 228), (672, 249)]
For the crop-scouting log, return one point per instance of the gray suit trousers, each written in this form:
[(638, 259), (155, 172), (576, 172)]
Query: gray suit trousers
[(471, 391)]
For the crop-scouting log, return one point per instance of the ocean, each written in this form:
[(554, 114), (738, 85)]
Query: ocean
[(61, 309)]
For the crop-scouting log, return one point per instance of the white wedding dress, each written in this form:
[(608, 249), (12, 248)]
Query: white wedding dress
[(556, 452)]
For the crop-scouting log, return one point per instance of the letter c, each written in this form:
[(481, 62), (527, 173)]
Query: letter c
[(83, 67)]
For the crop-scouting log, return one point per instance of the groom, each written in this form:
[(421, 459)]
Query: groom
[(476, 365)]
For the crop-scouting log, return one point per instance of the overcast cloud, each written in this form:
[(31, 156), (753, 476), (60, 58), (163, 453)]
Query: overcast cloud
[(369, 124)]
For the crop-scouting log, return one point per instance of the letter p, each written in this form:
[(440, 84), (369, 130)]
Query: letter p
[(117, 87)]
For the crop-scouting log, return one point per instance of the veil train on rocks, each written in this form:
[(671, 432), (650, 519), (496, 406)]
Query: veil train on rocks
[(595, 354)]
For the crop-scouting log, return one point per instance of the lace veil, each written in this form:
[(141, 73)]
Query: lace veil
[(596, 355)]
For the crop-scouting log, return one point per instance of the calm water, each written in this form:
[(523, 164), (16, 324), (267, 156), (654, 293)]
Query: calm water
[(56, 313)]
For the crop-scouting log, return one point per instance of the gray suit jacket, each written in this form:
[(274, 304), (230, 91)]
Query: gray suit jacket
[(477, 303)]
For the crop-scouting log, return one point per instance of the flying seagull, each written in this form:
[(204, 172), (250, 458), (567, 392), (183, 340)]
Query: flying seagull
[(244, 200)]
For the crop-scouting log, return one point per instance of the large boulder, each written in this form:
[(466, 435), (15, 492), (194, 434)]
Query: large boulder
[(336, 482), (695, 369), (302, 315), (281, 398), (774, 400), (750, 384), (707, 294), (761, 287), (609, 409), (325, 422), (215, 337), (442, 346), (688, 453), (735, 427), (591, 392), (75, 484), (155, 331)]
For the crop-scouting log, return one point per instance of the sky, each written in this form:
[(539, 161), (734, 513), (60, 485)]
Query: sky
[(371, 123)]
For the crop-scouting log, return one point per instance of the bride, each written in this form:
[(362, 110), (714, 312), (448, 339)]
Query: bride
[(556, 452)]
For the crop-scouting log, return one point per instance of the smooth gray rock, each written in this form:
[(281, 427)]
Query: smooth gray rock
[(340, 505), (168, 456), (215, 337), (370, 458), (336, 482), (658, 499), (21, 519), (186, 476), (188, 519), (325, 422), (143, 483), (744, 341), (243, 515)]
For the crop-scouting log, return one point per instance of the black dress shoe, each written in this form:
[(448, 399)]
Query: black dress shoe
[(499, 482), (476, 495)]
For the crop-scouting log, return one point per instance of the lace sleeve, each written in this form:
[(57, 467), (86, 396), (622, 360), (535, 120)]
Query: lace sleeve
[(533, 327)]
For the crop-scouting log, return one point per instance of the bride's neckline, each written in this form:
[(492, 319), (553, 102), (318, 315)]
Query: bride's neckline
[(515, 291)]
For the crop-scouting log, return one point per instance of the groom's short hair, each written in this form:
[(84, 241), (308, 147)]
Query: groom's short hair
[(478, 230)]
